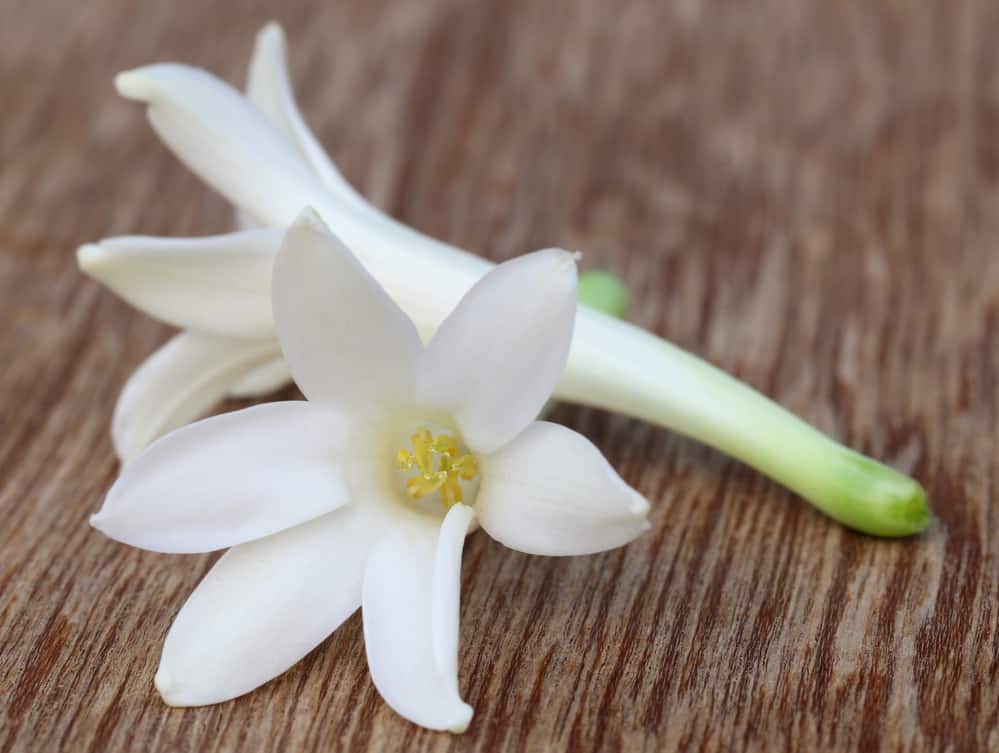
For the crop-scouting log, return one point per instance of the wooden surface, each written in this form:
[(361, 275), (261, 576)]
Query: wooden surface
[(804, 192)]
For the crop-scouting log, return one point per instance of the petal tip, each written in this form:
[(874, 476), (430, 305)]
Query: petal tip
[(133, 84), (461, 720), (271, 33), (639, 505), (562, 269), (97, 520), (561, 258), (91, 256), (310, 218), (167, 688)]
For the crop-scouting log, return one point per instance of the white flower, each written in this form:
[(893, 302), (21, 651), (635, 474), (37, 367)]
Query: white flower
[(340, 501), (258, 152)]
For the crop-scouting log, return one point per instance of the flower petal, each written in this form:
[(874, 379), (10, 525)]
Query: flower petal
[(496, 359), (551, 492), (269, 88), (219, 284), (230, 479), (263, 380), (178, 383), (346, 342), (445, 593), (225, 140), (264, 606), (410, 610)]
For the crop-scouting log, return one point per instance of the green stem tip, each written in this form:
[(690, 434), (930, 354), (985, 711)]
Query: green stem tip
[(869, 496)]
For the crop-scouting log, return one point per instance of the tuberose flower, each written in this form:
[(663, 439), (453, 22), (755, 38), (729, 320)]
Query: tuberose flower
[(257, 151), (363, 494)]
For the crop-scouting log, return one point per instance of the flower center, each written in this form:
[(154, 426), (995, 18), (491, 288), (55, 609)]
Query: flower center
[(440, 467)]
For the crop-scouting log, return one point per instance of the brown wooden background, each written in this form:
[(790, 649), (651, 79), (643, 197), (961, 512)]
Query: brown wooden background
[(805, 193)]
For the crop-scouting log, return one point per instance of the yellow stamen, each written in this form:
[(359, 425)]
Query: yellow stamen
[(444, 475)]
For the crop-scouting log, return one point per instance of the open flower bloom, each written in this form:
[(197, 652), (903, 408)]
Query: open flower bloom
[(362, 495), (257, 151)]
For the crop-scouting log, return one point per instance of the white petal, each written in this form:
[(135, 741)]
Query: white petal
[(263, 380), (232, 145), (345, 341), (269, 88), (219, 284), (445, 606), (225, 140), (264, 606), (496, 359), (410, 611), (179, 382), (551, 492), (230, 479)]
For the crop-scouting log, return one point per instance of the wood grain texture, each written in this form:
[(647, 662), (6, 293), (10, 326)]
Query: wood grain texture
[(804, 192)]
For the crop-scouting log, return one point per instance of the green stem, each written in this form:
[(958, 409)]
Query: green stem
[(622, 368)]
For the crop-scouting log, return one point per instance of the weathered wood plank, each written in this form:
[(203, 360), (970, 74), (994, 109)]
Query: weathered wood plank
[(805, 193)]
